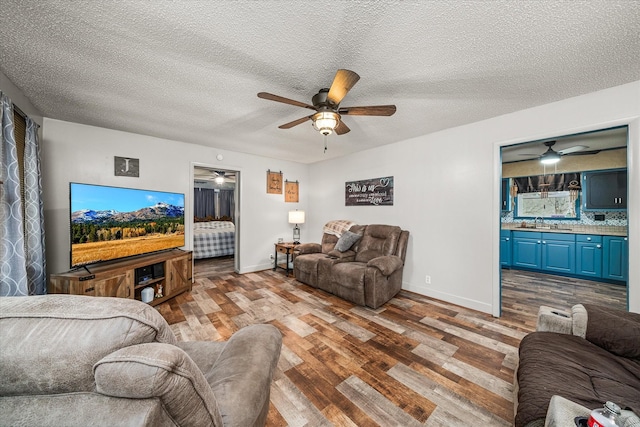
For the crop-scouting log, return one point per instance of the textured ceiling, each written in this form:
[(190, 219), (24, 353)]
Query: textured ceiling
[(190, 70)]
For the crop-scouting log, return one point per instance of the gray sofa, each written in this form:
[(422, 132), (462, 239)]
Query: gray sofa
[(71, 360), (368, 273)]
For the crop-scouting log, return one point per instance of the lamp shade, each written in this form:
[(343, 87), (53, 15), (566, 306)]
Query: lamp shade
[(325, 121), (296, 217)]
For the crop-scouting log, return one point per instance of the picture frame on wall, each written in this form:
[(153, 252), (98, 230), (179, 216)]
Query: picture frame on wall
[(274, 182), (291, 192)]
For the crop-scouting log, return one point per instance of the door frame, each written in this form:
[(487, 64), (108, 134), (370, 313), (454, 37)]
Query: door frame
[(238, 201)]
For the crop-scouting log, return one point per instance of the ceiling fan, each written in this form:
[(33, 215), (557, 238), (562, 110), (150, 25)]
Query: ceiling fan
[(219, 177), (326, 104), (551, 156)]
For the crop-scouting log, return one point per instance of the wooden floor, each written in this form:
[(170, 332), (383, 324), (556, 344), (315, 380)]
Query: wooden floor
[(414, 362)]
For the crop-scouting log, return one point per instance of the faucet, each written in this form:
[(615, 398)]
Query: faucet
[(535, 221)]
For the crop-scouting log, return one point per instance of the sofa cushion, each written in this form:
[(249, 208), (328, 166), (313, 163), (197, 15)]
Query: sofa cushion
[(614, 330), (81, 410), (68, 330), (163, 371), (552, 363), (378, 240), (347, 240)]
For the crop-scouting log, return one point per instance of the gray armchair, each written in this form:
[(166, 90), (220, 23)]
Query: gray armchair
[(77, 361)]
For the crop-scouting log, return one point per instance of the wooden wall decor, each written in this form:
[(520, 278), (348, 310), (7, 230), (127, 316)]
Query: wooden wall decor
[(126, 166), (291, 191), (274, 182), (369, 192)]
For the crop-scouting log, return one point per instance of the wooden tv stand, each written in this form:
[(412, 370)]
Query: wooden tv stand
[(171, 270)]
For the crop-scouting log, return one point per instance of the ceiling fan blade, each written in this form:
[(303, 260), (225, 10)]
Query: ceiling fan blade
[(373, 110), (342, 84), (581, 153), (573, 149), (341, 129), (272, 97), (294, 123)]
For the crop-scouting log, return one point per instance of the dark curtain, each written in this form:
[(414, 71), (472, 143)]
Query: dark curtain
[(204, 204), (556, 182), (227, 203)]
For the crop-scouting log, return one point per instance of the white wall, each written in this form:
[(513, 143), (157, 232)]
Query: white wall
[(77, 153), (18, 98), (447, 192)]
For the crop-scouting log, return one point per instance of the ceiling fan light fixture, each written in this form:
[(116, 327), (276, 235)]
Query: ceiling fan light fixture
[(550, 157), (219, 179), (325, 121)]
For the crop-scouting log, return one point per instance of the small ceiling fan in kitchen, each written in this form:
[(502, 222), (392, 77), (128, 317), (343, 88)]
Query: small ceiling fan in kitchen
[(327, 116), (551, 156)]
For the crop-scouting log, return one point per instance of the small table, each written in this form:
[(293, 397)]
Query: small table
[(285, 248)]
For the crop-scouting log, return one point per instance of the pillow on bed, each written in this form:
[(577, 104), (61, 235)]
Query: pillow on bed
[(347, 240)]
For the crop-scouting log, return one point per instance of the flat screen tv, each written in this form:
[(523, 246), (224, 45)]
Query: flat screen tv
[(108, 223)]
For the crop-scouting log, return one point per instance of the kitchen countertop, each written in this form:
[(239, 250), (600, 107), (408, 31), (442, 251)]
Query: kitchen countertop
[(603, 230)]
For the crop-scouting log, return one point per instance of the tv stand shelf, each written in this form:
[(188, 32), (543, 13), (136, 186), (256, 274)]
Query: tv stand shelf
[(170, 271)]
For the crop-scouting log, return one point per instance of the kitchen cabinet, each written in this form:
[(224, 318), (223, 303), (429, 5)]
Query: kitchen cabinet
[(526, 249), (558, 252), (605, 190), (553, 252), (505, 248), (589, 255), (615, 258)]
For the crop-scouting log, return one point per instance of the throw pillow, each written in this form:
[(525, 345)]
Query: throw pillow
[(347, 240)]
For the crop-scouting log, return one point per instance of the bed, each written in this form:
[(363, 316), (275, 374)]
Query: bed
[(213, 239)]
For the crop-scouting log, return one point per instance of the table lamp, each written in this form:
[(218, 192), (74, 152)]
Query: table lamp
[(296, 217)]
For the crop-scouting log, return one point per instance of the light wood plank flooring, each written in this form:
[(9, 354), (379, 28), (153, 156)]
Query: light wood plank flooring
[(414, 362)]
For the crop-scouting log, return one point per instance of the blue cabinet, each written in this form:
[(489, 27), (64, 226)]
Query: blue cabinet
[(526, 249), (505, 248), (558, 252), (615, 258), (589, 255)]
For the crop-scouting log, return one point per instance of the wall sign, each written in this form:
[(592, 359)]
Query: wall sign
[(291, 191), (126, 166), (274, 182), (369, 192)]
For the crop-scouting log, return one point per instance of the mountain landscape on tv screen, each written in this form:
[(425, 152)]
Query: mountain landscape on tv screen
[(155, 212)]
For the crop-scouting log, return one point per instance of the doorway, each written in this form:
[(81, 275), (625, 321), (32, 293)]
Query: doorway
[(524, 176), (215, 222)]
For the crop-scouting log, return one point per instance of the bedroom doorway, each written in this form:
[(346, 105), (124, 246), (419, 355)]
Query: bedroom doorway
[(215, 220)]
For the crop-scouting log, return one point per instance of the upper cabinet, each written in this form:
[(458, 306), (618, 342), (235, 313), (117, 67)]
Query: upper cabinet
[(605, 190)]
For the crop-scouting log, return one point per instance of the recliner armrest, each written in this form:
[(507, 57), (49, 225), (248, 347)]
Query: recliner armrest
[(554, 320), (386, 264), (307, 248)]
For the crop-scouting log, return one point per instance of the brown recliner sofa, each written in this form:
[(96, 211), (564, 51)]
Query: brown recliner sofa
[(369, 273), (70, 360), (588, 356)]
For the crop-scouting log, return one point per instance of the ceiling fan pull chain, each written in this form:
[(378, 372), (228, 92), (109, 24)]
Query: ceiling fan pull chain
[(325, 143)]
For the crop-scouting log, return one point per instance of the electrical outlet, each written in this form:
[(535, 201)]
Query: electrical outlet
[(427, 280), (271, 257)]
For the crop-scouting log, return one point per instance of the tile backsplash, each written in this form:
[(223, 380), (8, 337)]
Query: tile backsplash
[(611, 218)]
